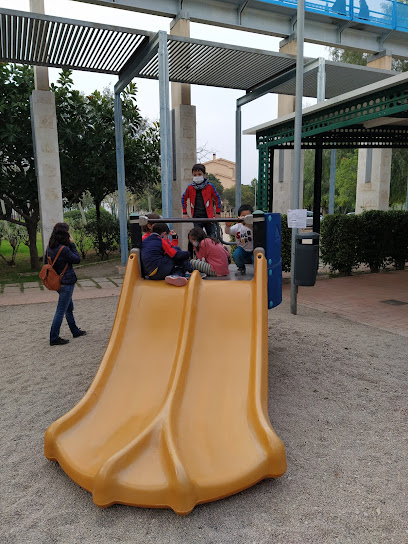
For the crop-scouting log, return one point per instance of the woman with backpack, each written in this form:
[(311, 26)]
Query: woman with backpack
[(62, 253)]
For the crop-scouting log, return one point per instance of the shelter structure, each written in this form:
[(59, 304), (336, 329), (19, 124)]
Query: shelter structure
[(42, 40), (375, 116)]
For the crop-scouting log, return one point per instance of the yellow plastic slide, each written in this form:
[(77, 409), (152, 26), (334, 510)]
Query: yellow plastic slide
[(177, 413)]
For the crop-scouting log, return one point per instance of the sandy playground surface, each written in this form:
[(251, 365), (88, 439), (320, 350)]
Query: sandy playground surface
[(338, 400)]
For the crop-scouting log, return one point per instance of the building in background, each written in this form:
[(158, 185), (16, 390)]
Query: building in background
[(223, 170)]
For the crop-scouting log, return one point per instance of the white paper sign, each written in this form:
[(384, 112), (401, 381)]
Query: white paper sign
[(297, 219)]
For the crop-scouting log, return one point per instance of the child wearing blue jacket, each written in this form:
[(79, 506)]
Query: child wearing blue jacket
[(161, 261)]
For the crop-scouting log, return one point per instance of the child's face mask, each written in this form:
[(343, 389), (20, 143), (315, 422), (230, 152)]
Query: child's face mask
[(195, 243), (198, 179)]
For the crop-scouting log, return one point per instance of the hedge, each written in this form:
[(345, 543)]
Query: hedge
[(374, 238)]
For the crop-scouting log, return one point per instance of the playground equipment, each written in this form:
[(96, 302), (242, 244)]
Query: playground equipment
[(177, 413)]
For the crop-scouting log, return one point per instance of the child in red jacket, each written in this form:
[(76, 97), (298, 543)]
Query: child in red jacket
[(197, 200)]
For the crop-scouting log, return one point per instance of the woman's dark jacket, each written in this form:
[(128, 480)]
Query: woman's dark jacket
[(69, 255)]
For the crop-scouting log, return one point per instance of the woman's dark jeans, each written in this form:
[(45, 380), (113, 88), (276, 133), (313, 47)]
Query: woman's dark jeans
[(65, 307)]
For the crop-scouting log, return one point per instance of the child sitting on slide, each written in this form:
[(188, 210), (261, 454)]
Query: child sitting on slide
[(147, 229), (212, 257), (161, 261), (243, 235)]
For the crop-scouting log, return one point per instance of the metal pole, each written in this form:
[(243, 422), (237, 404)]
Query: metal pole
[(297, 144), (120, 168), (406, 204), (317, 188), (137, 218), (165, 142), (332, 186), (238, 130)]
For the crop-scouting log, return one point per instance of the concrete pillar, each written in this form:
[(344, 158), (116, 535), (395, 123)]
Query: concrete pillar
[(283, 159), (374, 165), (183, 120), (46, 151)]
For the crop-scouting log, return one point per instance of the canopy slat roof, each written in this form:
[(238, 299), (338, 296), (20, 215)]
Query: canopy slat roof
[(43, 40)]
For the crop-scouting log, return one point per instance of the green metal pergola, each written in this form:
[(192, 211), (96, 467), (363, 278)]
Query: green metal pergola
[(375, 116)]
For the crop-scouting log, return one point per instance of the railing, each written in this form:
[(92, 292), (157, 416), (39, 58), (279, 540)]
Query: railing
[(390, 14)]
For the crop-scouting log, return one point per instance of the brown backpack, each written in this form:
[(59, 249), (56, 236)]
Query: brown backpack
[(50, 279)]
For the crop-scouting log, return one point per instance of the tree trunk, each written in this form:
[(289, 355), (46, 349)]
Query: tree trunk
[(101, 246), (32, 242)]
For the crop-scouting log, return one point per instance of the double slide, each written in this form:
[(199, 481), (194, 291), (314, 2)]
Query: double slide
[(177, 413)]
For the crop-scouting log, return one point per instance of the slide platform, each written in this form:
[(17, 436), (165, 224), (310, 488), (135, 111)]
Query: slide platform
[(177, 413)]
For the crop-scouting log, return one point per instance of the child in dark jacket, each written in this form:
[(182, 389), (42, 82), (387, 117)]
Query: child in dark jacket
[(161, 261), (147, 229)]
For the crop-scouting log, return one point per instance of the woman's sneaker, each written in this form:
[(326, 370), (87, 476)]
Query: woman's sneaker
[(178, 281), (240, 272)]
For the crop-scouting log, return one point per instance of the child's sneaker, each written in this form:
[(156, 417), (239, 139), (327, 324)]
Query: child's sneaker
[(240, 272), (178, 281), (188, 275)]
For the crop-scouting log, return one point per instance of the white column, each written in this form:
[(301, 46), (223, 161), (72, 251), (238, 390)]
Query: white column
[(183, 120), (45, 136), (374, 165), (46, 152), (283, 159)]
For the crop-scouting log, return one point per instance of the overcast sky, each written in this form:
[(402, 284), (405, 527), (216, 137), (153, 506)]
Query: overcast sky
[(215, 107)]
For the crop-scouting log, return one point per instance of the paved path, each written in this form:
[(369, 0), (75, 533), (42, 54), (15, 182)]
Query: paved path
[(379, 300), (34, 292)]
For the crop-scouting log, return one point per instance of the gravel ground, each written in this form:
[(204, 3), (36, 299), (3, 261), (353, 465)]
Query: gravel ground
[(337, 400)]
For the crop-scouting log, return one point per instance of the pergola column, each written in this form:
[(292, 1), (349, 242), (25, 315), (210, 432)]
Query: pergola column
[(184, 141), (374, 165), (283, 162), (46, 151)]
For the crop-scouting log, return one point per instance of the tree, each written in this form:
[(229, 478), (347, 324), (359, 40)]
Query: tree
[(217, 184), (86, 137), (247, 196), (346, 179), (87, 145), (18, 182)]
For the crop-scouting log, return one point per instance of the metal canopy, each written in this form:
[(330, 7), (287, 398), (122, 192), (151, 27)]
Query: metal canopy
[(374, 116), (43, 40), (207, 63), (340, 78)]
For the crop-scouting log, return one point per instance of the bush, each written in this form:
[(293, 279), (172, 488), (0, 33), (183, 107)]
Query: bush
[(286, 244), (104, 234), (14, 235), (340, 242), (375, 239), (397, 223), (74, 219)]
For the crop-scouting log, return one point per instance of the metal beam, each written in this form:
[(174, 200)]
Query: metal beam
[(137, 63), (260, 17), (238, 131), (120, 168), (165, 142), (268, 87), (295, 197)]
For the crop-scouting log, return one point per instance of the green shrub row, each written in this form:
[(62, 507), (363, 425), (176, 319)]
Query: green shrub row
[(374, 238)]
